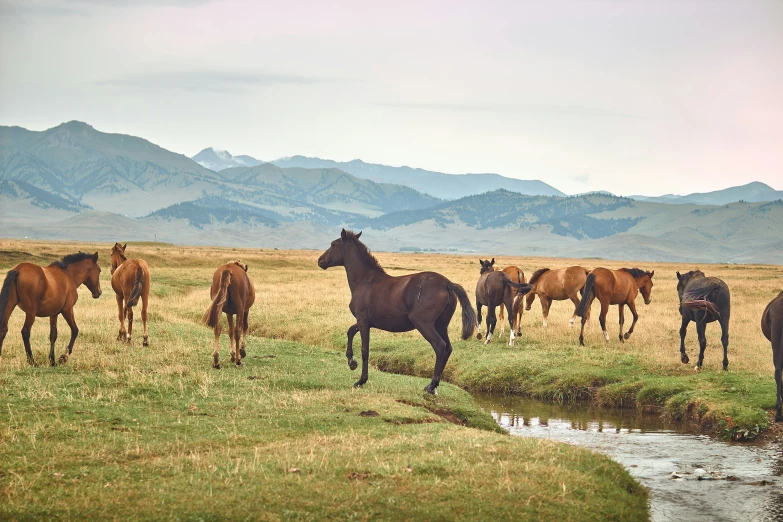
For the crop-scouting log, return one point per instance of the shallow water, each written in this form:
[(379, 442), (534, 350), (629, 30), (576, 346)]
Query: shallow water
[(651, 450)]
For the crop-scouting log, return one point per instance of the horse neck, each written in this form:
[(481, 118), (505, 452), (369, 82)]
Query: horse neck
[(356, 269), (78, 272), (639, 281), (120, 261)]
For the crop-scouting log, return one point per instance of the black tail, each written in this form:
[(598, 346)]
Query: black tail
[(212, 315), (588, 294), (5, 294), (468, 313), (522, 288), (135, 292)]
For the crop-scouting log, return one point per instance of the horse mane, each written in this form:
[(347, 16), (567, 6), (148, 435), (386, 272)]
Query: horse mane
[(71, 259), (365, 256), (635, 272), (119, 252), (537, 274)]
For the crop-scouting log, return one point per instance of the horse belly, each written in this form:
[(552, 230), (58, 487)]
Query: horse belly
[(392, 324)]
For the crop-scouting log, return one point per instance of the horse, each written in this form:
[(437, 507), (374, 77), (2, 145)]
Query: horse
[(495, 288), (232, 292), (557, 285), (611, 287), (130, 280), (703, 300), (47, 292), (517, 276), (772, 327), (424, 301)]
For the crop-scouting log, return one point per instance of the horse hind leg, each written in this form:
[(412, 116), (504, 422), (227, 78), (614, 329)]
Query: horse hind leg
[(144, 299), (233, 345), (439, 346), (129, 313), (478, 320), (52, 338), (621, 313), (724, 339), (491, 323), (546, 302), (216, 351), (242, 348), (502, 320), (26, 329), (779, 388), (701, 329), (121, 335)]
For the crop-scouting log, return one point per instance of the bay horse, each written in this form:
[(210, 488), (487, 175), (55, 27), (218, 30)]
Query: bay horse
[(703, 300), (557, 285), (232, 292), (516, 275), (494, 288), (130, 280), (424, 301), (772, 327), (612, 287), (47, 292)]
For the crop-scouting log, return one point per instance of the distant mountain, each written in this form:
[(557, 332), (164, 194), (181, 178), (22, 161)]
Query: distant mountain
[(19, 190), (438, 184), (752, 192), (217, 160)]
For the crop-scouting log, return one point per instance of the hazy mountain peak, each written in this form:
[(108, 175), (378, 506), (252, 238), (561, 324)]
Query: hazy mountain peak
[(217, 159)]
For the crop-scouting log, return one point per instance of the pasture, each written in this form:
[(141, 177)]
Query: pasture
[(141, 433)]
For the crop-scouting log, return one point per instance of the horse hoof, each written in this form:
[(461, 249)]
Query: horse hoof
[(359, 384), (242, 352), (479, 336), (697, 368), (216, 366), (239, 362), (352, 364), (62, 360), (432, 390), (684, 358), (779, 417), (627, 335), (726, 368), (146, 342)]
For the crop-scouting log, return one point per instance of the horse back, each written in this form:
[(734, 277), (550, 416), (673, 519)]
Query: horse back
[(124, 277), (241, 293), (47, 290), (772, 323)]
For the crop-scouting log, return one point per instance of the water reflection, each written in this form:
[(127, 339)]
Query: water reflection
[(652, 449)]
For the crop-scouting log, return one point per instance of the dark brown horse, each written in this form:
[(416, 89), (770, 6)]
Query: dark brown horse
[(130, 280), (516, 275), (772, 327), (614, 287), (47, 292), (495, 289), (425, 301), (557, 285), (231, 292), (703, 300)]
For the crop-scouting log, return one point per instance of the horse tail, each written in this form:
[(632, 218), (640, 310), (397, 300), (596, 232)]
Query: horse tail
[(588, 294), (522, 288), (468, 313), (212, 315), (135, 293), (701, 304), (5, 294)]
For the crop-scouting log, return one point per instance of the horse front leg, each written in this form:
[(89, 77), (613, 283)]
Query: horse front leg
[(632, 308), (478, 318), (364, 331), (511, 316), (779, 387), (621, 313), (546, 302), (491, 323), (683, 330), (602, 318), (352, 331), (68, 316), (724, 340), (52, 338)]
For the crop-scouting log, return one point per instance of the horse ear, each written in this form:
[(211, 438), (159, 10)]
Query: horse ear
[(95, 257), (678, 275), (493, 261), (652, 274), (358, 235), (343, 234), (124, 247)]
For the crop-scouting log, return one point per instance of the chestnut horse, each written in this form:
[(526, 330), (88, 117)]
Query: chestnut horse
[(611, 287), (130, 279), (495, 288), (47, 292), (772, 328), (516, 275), (703, 300), (424, 301), (231, 292), (557, 285)]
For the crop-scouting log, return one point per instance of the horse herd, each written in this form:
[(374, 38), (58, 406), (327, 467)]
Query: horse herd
[(424, 301)]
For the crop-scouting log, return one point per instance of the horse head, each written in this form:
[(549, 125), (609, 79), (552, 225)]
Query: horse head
[(684, 279), (117, 256), (646, 286), (335, 254), (487, 266), (93, 280)]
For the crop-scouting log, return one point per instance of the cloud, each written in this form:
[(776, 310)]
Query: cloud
[(27, 8), (208, 80), (583, 179), (543, 109), (30, 8)]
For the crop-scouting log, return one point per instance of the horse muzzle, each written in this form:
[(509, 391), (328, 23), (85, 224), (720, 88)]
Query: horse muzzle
[(96, 295), (323, 263), (647, 301)]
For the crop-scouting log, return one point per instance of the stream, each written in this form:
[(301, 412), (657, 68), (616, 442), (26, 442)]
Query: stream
[(740, 481)]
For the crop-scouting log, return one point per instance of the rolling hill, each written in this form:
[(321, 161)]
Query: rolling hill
[(754, 192)]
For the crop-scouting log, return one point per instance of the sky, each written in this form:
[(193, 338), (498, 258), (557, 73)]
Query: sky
[(633, 97)]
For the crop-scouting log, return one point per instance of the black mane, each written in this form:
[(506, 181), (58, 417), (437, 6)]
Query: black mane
[(364, 253), (537, 274), (71, 259), (636, 272)]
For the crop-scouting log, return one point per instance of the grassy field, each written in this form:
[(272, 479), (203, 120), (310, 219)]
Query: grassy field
[(125, 432)]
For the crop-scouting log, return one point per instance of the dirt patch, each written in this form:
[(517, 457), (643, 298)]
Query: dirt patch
[(440, 412)]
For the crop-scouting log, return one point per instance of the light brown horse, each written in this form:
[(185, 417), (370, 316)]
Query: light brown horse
[(493, 289), (130, 279), (557, 285), (232, 292), (611, 287), (516, 275), (47, 292)]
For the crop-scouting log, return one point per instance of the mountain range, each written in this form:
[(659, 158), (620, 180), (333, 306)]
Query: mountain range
[(75, 182)]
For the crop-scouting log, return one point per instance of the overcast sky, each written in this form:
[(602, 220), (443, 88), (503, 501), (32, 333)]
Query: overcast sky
[(634, 97)]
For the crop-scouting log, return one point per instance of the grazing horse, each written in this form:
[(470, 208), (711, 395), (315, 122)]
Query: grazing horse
[(130, 280), (703, 300), (424, 301), (495, 288), (772, 327), (47, 292), (231, 292), (557, 285), (611, 287), (517, 276)]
